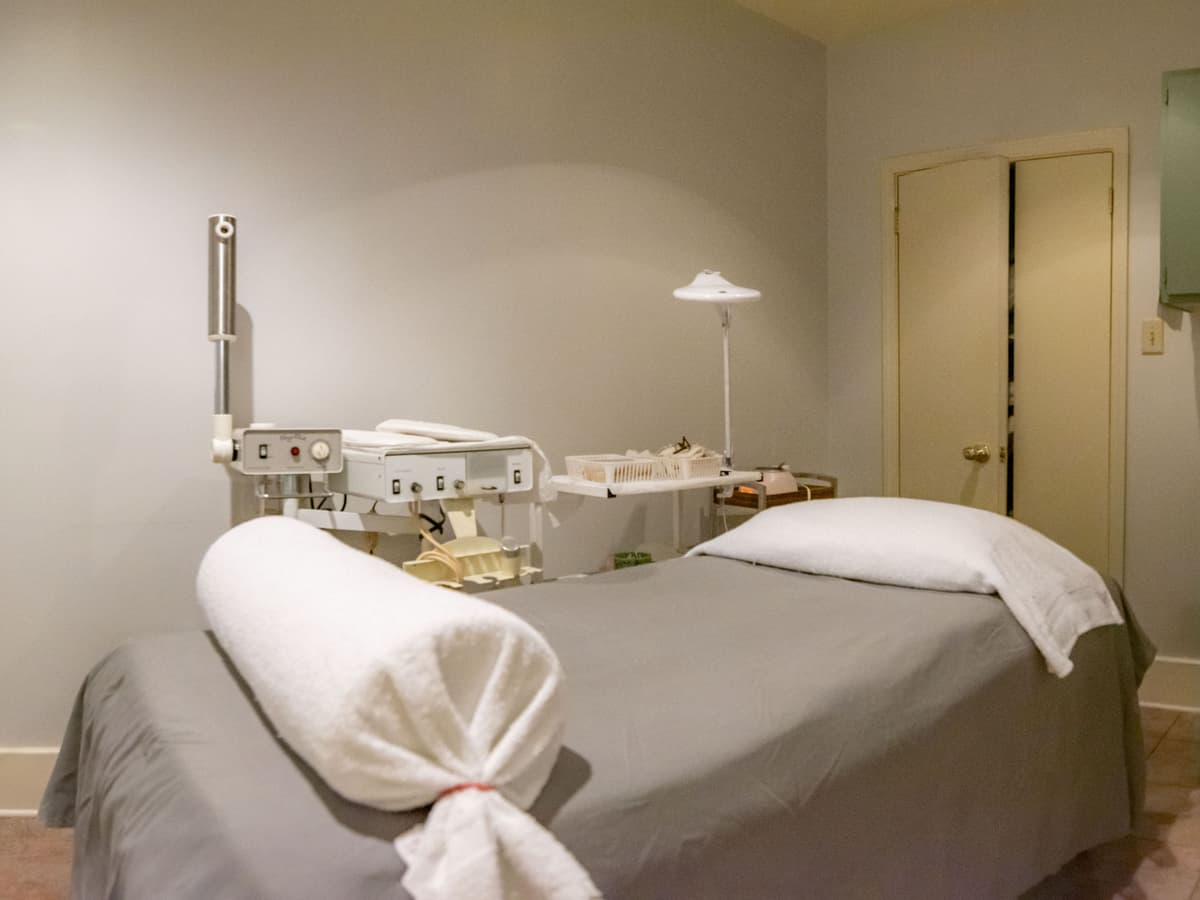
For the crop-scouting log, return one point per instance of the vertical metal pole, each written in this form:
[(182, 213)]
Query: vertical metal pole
[(676, 522), (535, 537), (221, 390), (222, 326), (725, 317), (222, 299), (222, 277), (290, 484)]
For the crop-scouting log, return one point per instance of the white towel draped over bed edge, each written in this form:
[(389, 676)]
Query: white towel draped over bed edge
[(924, 544), (397, 692)]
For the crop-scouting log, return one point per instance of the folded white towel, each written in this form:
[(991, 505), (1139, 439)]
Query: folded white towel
[(383, 440), (396, 693), (435, 430), (919, 543)]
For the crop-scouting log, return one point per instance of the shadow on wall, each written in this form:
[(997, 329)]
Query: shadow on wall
[(242, 503), (549, 321), (424, 91), (633, 536), (472, 212)]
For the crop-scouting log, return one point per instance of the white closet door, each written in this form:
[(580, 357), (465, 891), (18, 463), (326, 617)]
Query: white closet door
[(952, 327), (1063, 289)]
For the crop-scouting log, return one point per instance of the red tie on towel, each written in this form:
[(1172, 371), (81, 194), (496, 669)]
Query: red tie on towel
[(466, 786)]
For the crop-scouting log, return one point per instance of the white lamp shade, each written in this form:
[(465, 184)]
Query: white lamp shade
[(710, 287)]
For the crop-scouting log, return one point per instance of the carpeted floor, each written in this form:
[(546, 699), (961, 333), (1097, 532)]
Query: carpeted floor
[(35, 861)]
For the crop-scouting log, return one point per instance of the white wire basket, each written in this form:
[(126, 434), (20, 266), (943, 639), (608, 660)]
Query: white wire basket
[(610, 468), (613, 468), (689, 467)]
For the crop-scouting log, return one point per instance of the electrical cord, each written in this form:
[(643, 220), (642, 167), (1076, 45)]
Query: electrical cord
[(435, 526), (437, 551)]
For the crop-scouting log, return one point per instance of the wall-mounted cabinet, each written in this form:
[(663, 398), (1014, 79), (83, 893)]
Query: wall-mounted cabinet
[(1179, 283)]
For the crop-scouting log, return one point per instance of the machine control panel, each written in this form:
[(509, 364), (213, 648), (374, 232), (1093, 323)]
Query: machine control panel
[(402, 477), (270, 450)]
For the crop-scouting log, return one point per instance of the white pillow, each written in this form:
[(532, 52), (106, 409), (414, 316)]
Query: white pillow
[(940, 546)]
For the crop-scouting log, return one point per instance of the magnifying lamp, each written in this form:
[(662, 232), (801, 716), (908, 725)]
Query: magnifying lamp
[(710, 287)]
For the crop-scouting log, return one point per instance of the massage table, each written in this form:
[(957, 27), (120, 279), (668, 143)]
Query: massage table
[(734, 730)]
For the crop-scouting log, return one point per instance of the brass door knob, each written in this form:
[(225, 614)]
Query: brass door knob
[(979, 453)]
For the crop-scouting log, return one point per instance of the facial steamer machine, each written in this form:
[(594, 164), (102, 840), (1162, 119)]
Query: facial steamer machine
[(279, 459), (396, 470)]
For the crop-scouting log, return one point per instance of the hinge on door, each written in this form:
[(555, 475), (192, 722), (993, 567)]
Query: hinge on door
[(896, 219), (1166, 96)]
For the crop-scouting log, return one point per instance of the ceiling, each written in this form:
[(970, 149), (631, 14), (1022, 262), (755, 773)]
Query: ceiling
[(830, 21)]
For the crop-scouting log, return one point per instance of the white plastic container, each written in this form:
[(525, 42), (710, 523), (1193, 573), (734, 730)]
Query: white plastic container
[(613, 468), (689, 467)]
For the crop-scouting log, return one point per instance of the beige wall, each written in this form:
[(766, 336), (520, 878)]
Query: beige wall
[(469, 212), (1006, 71)]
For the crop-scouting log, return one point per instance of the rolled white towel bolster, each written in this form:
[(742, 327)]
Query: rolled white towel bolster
[(400, 694), (521, 858)]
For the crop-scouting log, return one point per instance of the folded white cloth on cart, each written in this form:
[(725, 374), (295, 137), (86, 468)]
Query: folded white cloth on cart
[(400, 695), (1054, 595), (383, 440)]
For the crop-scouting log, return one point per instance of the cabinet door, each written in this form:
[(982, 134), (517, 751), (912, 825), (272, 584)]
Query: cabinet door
[(1181, 189), (1062, 285), (952, 326)]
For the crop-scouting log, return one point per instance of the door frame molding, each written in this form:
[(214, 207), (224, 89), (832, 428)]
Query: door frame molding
[(1111, 140)]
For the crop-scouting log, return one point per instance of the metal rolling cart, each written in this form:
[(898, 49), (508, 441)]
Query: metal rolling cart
[(676, 486)]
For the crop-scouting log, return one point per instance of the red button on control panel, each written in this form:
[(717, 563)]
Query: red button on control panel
[(295, 451)]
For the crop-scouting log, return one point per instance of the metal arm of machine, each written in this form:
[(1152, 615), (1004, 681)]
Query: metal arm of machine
[(260, 451), (222, 326)]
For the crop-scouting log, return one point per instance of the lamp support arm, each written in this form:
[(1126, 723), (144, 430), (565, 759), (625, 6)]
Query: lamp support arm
[(726, 318)]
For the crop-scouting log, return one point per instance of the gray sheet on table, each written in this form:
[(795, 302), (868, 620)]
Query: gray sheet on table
[(734, 731)]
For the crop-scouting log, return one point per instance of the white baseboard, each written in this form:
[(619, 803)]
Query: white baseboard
[(1173, 682), (24, 772)]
